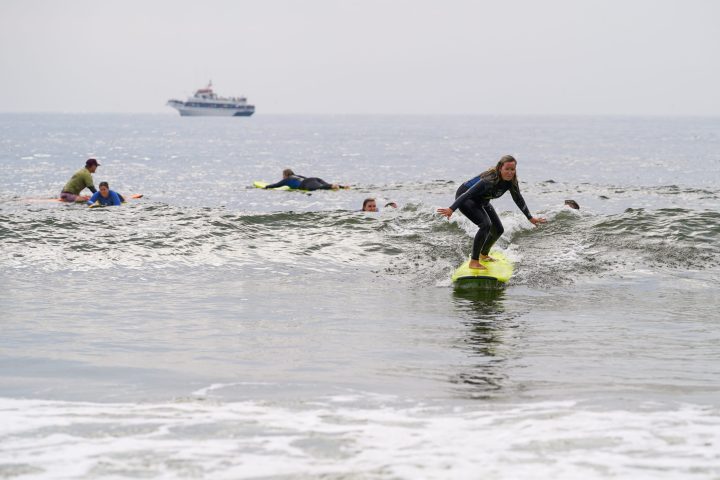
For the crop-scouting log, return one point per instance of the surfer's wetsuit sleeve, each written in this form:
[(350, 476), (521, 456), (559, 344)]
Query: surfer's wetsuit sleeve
[(281, 183), (94, 198), (520, 202), (480, 189), (292, 182)]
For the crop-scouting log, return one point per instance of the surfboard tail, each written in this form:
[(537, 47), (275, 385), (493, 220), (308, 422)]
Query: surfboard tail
[(478, 283)]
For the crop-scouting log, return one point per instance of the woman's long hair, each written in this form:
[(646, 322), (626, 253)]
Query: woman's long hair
[(493, 174)]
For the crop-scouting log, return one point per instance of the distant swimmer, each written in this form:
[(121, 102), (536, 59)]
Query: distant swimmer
[(304, 183), (369, 205), (572, 204), (473, 199), (80, 180), (106, 197)]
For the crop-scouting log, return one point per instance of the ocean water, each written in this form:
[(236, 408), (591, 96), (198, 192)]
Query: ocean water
[(214, 330)]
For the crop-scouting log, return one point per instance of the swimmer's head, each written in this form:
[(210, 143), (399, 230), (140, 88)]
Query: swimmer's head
[(572, 204), (288, 173), (369, 205)]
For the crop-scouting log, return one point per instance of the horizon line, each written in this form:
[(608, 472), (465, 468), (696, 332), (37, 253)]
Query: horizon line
[(447, 114)]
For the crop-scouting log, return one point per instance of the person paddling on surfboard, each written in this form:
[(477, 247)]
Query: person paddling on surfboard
[(105, 196), (473, 199), (303, 183)]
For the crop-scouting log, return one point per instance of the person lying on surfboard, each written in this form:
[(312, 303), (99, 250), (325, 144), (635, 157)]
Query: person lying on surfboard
[(106, 197), (303, 183), (80, 180), (473, 199)]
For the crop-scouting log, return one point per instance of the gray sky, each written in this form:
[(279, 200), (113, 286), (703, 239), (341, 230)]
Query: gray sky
[(364, 56)]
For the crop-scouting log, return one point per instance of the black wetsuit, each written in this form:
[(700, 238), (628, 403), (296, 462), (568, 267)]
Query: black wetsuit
[(302, 183), (314, 183), (473, 199)]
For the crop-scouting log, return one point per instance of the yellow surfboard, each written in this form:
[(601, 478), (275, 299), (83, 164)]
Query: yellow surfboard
[(495, 275)]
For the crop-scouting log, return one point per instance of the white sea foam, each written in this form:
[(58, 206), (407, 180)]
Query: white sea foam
[(341, 436)]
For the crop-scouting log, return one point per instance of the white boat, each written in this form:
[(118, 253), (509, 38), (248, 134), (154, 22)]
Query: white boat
[(205, 102)]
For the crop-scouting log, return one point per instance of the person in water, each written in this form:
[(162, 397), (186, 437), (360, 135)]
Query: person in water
[(105, 196), (303, 183), (473, 199), (80, 180), (572, 204), (369, 205)]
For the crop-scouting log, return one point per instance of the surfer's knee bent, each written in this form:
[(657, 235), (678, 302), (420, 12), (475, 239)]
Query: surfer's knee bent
[(485, 222)]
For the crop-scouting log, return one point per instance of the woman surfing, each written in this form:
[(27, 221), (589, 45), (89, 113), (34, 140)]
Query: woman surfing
[(473, 199)]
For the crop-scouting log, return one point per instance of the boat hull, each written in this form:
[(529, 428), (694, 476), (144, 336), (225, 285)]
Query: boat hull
[(211, 111)]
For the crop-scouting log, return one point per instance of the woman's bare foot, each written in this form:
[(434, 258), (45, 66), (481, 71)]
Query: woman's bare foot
[(487, 258), (476, 265)]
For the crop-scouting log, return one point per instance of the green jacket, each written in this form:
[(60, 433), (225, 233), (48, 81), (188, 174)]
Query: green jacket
[(79, 181)]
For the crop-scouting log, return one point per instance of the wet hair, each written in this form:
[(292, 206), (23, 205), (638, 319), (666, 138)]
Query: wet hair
[(366, 201), (493, 174), (288, 172), (104, 184), (572, 204)]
